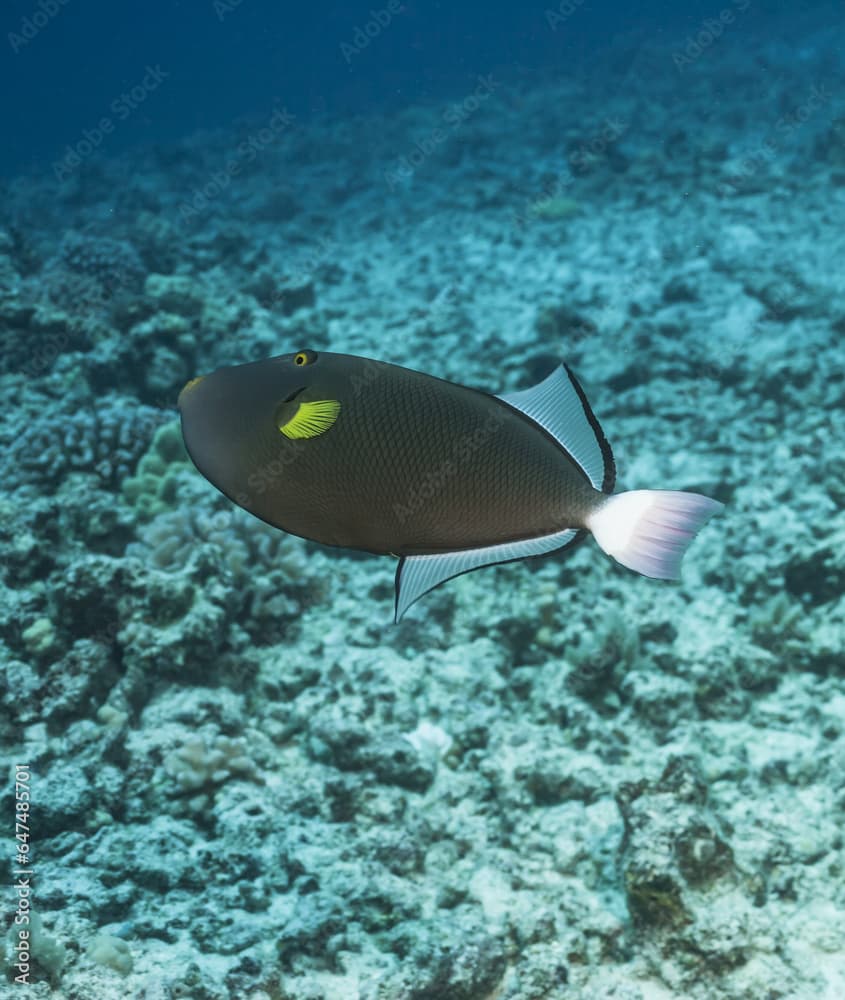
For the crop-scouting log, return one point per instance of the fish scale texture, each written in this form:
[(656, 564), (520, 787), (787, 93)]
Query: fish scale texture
[(413, 464)]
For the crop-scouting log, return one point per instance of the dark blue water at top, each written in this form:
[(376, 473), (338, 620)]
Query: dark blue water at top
[(65, 65)]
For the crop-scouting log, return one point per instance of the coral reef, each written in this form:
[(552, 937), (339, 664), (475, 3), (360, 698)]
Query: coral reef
[(106, 439)]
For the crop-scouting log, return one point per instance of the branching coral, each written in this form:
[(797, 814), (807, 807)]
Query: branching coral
[(112, 265), (106, 439), (153, 488), (199, 766)]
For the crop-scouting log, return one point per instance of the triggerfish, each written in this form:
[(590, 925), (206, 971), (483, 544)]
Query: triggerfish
[(367, 455)]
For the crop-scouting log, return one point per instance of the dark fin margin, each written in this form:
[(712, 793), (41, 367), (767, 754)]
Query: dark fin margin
[(609, 481)]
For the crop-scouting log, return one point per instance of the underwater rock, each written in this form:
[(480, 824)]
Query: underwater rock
[(562, 324), (392, 759), (558, 777), (75, 686), (817, 575), (679, 873), (90, 514), (679, 289), (69, 799), (467, 971), (176, 628), (175, 293), (286, 296), (670, 846)]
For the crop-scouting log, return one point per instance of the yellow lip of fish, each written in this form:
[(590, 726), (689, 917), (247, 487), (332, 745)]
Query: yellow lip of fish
[(188, 386)]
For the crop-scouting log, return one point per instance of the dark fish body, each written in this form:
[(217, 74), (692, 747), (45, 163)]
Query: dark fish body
[(415, 464), (368, 455)]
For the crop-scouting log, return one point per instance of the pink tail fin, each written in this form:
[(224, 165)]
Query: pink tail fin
[(649, 530)]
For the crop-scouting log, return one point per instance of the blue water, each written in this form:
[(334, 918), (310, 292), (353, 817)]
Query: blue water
[(66, 65)]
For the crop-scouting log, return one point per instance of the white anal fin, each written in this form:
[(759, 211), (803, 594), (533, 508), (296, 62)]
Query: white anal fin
[(416, 575), (558, 404)]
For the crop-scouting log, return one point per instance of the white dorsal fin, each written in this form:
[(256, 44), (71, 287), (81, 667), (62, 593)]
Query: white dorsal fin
[(417, 575), (558, 404)]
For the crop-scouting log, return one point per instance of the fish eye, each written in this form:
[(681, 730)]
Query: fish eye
[(304, 358)]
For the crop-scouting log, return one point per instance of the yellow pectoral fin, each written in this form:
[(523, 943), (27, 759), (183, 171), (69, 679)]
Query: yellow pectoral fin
[(311, 419)]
